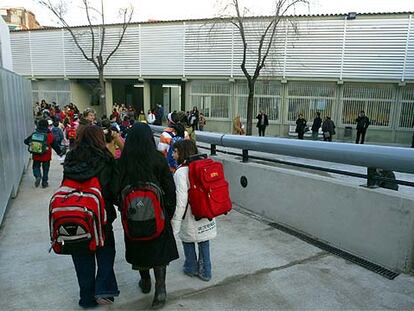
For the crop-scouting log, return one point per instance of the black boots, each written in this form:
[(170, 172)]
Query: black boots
[(145, 282), (160, 292)]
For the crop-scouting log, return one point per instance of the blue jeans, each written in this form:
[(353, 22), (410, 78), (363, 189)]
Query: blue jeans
[(103, 283), (37, 173), (202, 267)]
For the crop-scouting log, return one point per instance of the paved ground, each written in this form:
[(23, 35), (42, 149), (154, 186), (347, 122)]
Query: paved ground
[(255, 267)]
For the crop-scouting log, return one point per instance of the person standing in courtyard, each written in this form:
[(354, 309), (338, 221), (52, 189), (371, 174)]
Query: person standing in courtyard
[(202, 122), (238, 127), (317, 122), (300, 126), (262, 122), (193, 118), (328, 129), (362, 125)]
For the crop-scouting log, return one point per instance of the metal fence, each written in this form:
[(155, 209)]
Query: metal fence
[(212, 98), (407, 108), (16, 123), (375, 100), (267, 98)]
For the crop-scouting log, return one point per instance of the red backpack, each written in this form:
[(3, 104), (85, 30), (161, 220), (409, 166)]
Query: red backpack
[(142, 213), (71, 133), (209, 191), (77, 216)]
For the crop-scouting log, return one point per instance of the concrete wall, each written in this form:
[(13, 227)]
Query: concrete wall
[(81, 96), (375, 224)]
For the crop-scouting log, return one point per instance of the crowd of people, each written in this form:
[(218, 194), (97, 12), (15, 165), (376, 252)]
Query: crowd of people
[(121, 151)]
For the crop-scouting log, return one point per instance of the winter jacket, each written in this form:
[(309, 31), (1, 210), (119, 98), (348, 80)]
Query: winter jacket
[(317, 122), (47, 156), (362, 123), (300, 125), (100, 164), (165, 140), (328, 126), (188, 228), (259, 120), (57, 134), (162, 250)]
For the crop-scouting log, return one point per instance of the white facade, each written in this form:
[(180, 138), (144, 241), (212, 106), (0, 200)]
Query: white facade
[(327, 64), (371, 47), (5, 49)]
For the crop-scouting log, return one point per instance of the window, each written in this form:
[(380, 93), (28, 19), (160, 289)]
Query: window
[(52, 91), (376, 101), (267, 96), (308, 98), (407, 108), (212, 98)]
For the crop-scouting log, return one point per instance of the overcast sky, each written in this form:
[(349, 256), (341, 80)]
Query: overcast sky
[(186, 9)]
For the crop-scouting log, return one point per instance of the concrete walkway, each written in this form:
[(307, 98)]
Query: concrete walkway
[(255, 267)]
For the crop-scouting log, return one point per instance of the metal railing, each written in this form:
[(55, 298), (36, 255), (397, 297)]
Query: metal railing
[(395, 159)]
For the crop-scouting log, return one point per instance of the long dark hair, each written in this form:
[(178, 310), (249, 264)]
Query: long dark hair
[(138, 156), (90, 140)]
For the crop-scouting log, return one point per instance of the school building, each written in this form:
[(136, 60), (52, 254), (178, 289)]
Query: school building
[(335, 64)]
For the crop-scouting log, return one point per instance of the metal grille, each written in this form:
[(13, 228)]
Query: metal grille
[(52, 91), (376, 101), (309, 98), (407, 108), (267, 98), (212, 98)]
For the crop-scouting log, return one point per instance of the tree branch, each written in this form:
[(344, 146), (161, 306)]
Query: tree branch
[(58, 12), (243, 36), (85, 2), (127, 20), (102, 33)]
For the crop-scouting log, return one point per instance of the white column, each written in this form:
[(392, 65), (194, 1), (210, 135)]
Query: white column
[(406, 47), (108, 97), (147, 96), (343, 49)]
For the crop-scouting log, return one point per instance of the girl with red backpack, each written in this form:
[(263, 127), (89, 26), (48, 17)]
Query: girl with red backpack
[(141, 164), (190, 230)]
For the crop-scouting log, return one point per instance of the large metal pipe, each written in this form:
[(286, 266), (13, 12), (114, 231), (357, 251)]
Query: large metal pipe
[(389, 158)]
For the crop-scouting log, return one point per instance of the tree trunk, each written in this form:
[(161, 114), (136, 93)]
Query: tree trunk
[(101, 92), (250, 101)]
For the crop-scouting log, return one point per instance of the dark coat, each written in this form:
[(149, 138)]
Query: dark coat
[(317, 122), (161, 251), (328, 126), (259, 120), (99, 164), (300, 125), (362, 123)]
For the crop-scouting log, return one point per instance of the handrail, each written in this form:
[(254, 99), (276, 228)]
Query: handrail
[(388, 158)]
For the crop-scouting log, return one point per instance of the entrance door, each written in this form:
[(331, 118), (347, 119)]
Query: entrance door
[(171, 97)]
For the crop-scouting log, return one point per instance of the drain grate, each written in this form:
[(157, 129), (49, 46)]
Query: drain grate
[(333, 250)]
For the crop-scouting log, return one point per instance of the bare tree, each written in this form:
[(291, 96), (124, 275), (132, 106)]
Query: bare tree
[(95, 31), (262, 47)]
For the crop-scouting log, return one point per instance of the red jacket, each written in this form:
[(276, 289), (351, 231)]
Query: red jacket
[(47, 156)]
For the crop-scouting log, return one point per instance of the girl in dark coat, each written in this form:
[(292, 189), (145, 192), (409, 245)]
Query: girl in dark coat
[(88, 159), (301, 126), (141, 162)]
